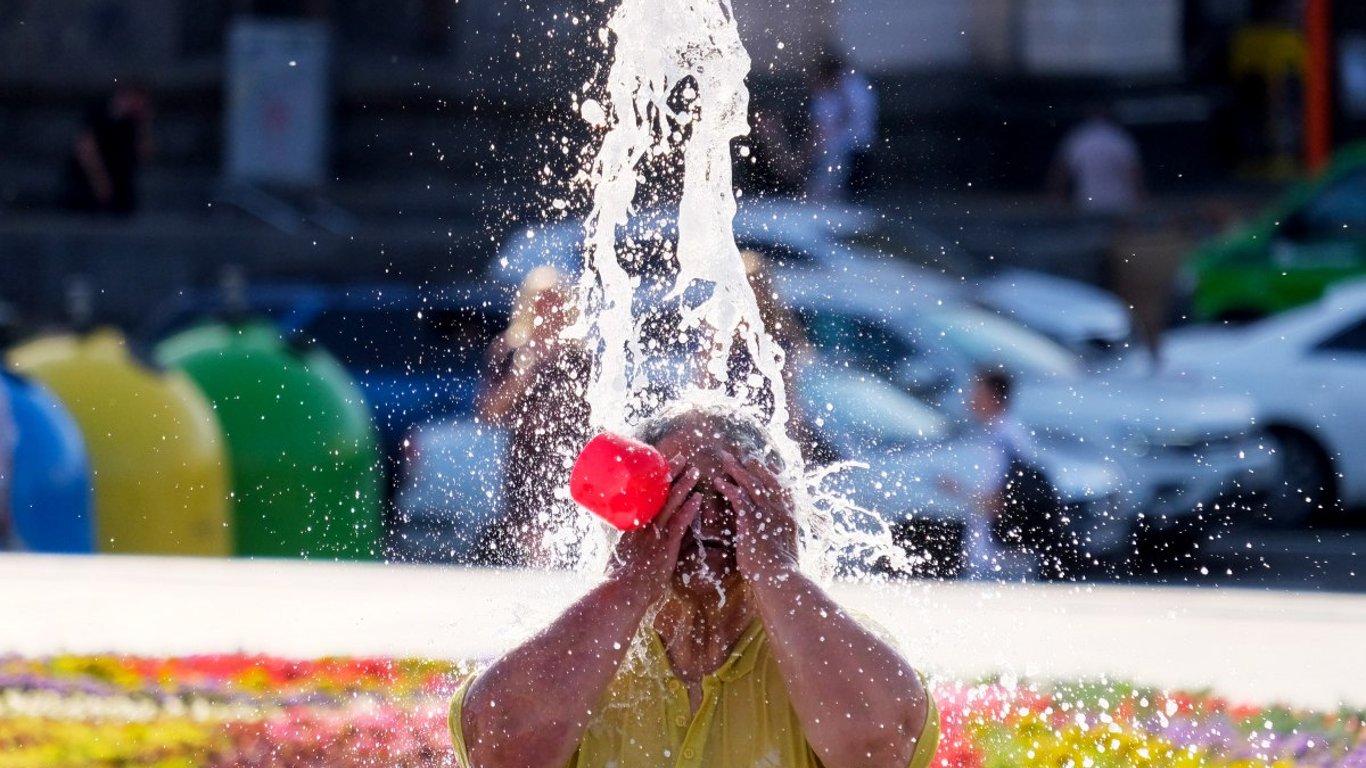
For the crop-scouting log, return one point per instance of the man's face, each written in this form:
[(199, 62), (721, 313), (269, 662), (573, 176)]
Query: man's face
[(706, 558)]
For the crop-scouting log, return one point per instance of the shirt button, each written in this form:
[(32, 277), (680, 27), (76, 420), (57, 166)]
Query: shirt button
[(680, 721), (688, 754)]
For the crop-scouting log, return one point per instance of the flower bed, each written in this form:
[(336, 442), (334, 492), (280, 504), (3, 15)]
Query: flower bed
[(265, 712)]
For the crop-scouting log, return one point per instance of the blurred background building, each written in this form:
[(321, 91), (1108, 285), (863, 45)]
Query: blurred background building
[(405, 137)]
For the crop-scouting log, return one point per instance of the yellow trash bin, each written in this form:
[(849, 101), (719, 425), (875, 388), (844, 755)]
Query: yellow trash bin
[(156, 450)]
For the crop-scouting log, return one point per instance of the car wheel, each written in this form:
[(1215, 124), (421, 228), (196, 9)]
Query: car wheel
[(1305, 486)]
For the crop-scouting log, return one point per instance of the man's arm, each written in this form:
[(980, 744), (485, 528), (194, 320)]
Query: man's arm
[(859, 702), (531, 708)]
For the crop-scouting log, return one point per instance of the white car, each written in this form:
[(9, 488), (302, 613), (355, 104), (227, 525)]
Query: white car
[(450, 491), (1187, 454), (1306, 369)]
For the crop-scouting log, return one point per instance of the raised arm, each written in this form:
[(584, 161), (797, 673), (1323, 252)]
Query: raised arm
[(859, 702), (531, 708)]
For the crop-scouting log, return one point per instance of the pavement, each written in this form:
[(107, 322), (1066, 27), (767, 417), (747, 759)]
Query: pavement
[(1258, 646)]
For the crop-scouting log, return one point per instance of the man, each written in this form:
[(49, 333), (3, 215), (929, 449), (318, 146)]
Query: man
[(1099, 161), (115, 141), (1013, 487), (841, 132), (704, 646), (843, 125), (534, 390)]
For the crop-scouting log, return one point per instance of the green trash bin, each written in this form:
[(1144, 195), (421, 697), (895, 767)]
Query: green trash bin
[(304, 455)]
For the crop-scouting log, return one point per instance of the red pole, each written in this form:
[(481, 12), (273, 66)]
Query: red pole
[(1318, 82)]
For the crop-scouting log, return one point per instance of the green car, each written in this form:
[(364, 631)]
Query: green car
[(1313, 237)]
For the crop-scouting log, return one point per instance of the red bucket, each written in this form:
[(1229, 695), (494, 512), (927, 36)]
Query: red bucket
[(621, 480)]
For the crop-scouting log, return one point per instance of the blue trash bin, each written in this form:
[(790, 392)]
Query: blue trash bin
[(50, 482)]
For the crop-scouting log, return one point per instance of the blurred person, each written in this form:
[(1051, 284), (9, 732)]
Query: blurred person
[(1098, 162), (780, 324), (1008, 448), (842, 126), (787, 331), (705, 644), (115, 141), (535, 390), (1267, 60)]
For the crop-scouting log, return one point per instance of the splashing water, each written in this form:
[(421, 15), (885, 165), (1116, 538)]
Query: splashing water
[(676, 86), (662, 48)]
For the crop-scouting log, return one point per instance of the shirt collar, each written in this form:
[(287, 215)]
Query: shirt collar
[(740, 662)]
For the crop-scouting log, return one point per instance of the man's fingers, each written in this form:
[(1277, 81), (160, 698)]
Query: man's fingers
[(766, 476), (686, 514), (735, 496), (677, 466), (742, 477), (678, 494)]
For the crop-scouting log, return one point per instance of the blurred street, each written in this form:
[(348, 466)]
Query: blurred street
[(1330, 560)]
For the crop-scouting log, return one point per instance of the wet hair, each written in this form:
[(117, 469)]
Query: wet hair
[(997, 383), (746, 434)]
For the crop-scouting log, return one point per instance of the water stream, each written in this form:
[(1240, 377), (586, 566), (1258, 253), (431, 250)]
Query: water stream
[(672, 102)]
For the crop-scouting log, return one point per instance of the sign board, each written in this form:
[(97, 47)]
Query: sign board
[(1101, 37), (278, 106)]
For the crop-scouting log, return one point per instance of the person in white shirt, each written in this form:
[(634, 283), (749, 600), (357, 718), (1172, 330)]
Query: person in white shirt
[(1099, 163), (1002, 442), (843, 124)]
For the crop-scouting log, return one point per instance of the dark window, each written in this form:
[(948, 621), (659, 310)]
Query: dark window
[(1350, 339), (1339, 210)]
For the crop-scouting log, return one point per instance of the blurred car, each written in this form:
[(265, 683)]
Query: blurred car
[(803, 243), (1306, 369), (1310, 239), (910, 450), (1186, 453), (450, 491), (417, 353)]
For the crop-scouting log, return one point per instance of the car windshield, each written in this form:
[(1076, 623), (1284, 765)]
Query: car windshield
[(988, 340)]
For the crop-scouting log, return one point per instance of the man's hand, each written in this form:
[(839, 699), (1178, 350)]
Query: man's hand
[(646, 557), (531, 707), (765, 525), (860, 704)]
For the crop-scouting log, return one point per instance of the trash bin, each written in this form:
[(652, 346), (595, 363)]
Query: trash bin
[(50, 477), (156, 454), (304, 456)]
